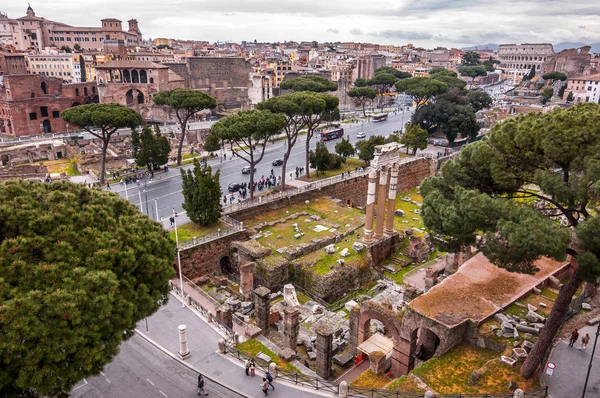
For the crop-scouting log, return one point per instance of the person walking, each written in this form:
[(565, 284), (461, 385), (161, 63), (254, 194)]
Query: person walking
[(265, 386), (108, 186), (574, 337), (247, 366), (252, 367), (584, 341), (201, 385), (270, 379)]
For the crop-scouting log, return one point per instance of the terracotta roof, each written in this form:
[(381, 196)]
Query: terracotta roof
[(479, 289), (126, 63)]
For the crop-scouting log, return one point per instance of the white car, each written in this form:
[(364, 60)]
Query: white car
[(360, 135)]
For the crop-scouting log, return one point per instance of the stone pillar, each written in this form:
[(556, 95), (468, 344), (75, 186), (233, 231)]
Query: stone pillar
[(273, 369), (291, 325), (247, 278), (324, 345), (184, 352), (353, 336), (370, 210), (261, 308), (343, 389), (391, 205), (225, 315), (381, 194)]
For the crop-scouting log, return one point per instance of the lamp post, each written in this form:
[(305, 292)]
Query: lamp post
[(179, 261), (587, 377)]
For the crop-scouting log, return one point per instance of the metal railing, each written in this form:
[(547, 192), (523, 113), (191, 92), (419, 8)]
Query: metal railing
[(363, 392), (235, 228)]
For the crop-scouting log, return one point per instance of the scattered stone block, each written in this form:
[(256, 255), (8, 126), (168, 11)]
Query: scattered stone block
[(298, 236), (507, 327), (263, 357), (527, 345), (586, 306), (535, 317), (528, 336), (234, 304), (340, 262), (330, 249), (501, 318), (350, 304), (494, 328), (519, 354), (288, 354), (537, 291), (528, 329), (318, 309), (312, 355), (531, 308), (543, 305), (342, 359), (344, 252), (499, 333), (508, 360), (516, 335), (399, 213)]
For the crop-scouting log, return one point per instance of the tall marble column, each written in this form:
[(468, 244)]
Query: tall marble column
[(391, 205), (381, 194), (368, 237)]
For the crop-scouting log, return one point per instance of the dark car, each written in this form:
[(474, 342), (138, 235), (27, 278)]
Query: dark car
[(277, 162), (246, 170), (233, 187)]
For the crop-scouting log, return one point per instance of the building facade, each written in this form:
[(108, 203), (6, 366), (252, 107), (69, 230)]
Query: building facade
[(32, 104), (518, 59), (12, 64), (572, 62), (367, 65), (33, 33), (584, 88)]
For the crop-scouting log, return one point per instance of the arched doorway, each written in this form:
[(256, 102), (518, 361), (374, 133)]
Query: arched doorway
[(134, 97), (126, 76), (427, 343), (143, 77), (135, 77), (47, 126), (226, 265), (44, 88)]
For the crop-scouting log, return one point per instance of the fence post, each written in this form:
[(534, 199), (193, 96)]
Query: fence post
[(343, 389), (519, 393), (273, 369), (222, 348)]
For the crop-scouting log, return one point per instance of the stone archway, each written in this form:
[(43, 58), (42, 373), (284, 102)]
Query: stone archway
[(427, 342), (5, 160), (134, 97), (47, 126), (226, 265)]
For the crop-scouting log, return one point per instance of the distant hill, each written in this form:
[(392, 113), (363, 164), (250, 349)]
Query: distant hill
[(569, 44), (492, 46)]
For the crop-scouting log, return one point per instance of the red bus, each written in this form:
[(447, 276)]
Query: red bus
[(380, 117), (332, 134)]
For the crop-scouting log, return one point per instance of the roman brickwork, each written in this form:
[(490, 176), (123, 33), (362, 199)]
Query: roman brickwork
[(32, 104), (519, 58), (572, 62), (12, 64)]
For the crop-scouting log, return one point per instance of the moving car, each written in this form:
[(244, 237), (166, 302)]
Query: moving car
[(277, 162), (233, 187), (360, 135), (246, 170)]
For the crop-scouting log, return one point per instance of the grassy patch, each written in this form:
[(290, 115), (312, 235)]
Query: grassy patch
[(449, 374), (404, 384), (550, 293), (402, 223), (370, 380), (187, 231), (399, 276), (253, 347), (350, 165)]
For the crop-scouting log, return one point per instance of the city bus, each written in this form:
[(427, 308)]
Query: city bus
[(331, 134), (380, 117)]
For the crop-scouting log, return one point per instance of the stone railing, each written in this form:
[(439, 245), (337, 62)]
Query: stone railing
[(235, 226)]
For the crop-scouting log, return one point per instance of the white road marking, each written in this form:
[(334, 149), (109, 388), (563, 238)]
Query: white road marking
[(148, 380), (84, 383), (106, 377), (162, 393)]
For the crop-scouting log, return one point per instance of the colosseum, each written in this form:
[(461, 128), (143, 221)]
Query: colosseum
[(519, 58)]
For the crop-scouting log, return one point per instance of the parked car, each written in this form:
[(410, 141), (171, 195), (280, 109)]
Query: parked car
[(277, 162), (233, 187), (360, 135), (246, 170)]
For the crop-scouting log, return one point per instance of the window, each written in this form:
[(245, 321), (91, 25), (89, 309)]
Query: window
[(93, 90), (77, 92), (44, 111), (33, 116), (55, 114)]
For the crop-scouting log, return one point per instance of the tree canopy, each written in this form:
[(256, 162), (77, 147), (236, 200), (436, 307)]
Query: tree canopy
[(398, 74), (366, 148), (185, 102), (414, 138), (472, 71), (554, 76), (479, 100), (362, 95), (78, 268), (361, 82), (316, 84), (530, 189), (471, 58), (421, 89), (212, 143), (546, 94), (322, 160), (344, 148), (201, 193), (150, 149), (107, 118)]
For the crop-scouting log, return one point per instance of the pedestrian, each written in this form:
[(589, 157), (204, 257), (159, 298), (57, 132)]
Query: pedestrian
[(201, 385), (584, 341), (265, 386), (270, 379), (306, 364), (574, 337), (247, 366), (108, 186), (172, 220), (252, 367)]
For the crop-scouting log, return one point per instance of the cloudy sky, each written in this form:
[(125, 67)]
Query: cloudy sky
[(422, 22)]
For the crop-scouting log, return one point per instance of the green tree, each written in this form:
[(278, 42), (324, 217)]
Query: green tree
[(185, 102), (421, 89), (472, 72), (77, 47), (552, 77), (561, 91), (414, 138), (82, 68), (360, 82), (479, 100), (212, 143), (366, 148), (546, 94), (382, 82), (202, 193), (344, 148), (361, 96), (448, 117), (315, 84), (441, 72), (471, 58), (570, 97), (392, 138), (320, 158), (481, 193), (107, 118), (150, 149), (66, 49), (250, 131), (398, 74), (78, 268), (450, 81)]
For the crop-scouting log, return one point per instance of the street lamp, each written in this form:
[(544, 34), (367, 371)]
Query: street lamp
[(179, 261)]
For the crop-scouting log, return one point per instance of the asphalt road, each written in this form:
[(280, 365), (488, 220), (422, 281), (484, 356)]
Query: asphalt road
[(165, 193)]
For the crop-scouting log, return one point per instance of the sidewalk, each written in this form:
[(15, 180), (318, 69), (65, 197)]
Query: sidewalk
[(202, 342), (572, 364)]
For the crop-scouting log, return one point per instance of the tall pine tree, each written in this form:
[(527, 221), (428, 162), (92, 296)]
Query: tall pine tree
[(150, 149), (82, 67), (202, 194)]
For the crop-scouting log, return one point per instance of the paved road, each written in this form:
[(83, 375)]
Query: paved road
[(165, 194), (571, 367)]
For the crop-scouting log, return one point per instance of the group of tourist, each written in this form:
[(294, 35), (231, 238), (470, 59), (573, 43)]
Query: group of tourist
[(575, 336), (267, 381)]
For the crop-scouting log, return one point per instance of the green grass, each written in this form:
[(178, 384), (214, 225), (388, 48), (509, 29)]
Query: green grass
[(187, 231), (253, 347), (404, 384), (550, 293), (398, 277), (327, 260), (72, 170), (350, 165), (408, 209), (369, 379)]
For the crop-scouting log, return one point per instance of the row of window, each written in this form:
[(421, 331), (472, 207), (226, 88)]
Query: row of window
[(51, 66), (52, 73), (43, 113)]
